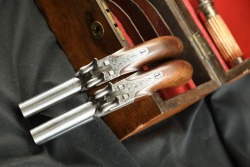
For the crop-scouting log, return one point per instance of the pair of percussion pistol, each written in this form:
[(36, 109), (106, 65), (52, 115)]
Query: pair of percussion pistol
[(137, 85)]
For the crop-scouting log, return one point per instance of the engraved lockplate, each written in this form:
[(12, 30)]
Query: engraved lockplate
[(111, 66), (125, 91)]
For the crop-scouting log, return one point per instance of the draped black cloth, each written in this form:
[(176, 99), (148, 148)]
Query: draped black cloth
[(213, 132)]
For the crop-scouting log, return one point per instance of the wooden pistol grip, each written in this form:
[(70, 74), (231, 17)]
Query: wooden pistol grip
[(168, 75), (158, 49)]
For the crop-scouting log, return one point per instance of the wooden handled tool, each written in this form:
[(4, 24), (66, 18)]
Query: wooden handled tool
[(221, 35)]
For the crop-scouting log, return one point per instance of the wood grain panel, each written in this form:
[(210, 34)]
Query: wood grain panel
[(71, 23)]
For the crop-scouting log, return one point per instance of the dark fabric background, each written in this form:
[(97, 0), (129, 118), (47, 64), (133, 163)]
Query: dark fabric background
[(213, 132)]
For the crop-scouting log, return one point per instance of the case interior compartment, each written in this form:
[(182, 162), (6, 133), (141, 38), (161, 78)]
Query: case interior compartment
[(231, 12), (200, 75), (188, 19)]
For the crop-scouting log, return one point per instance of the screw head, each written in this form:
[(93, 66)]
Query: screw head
[(97, 30)]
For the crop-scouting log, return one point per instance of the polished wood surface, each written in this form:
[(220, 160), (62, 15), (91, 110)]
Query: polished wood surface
[(174, 73), (160, 49), (140, 19), (155, 19), (71, 23), (141, 22)]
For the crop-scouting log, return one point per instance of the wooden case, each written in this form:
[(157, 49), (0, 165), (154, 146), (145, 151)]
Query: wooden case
[(137, 21)]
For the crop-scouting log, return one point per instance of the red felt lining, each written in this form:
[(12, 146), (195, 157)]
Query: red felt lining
[(172, 92), (126, 36)]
